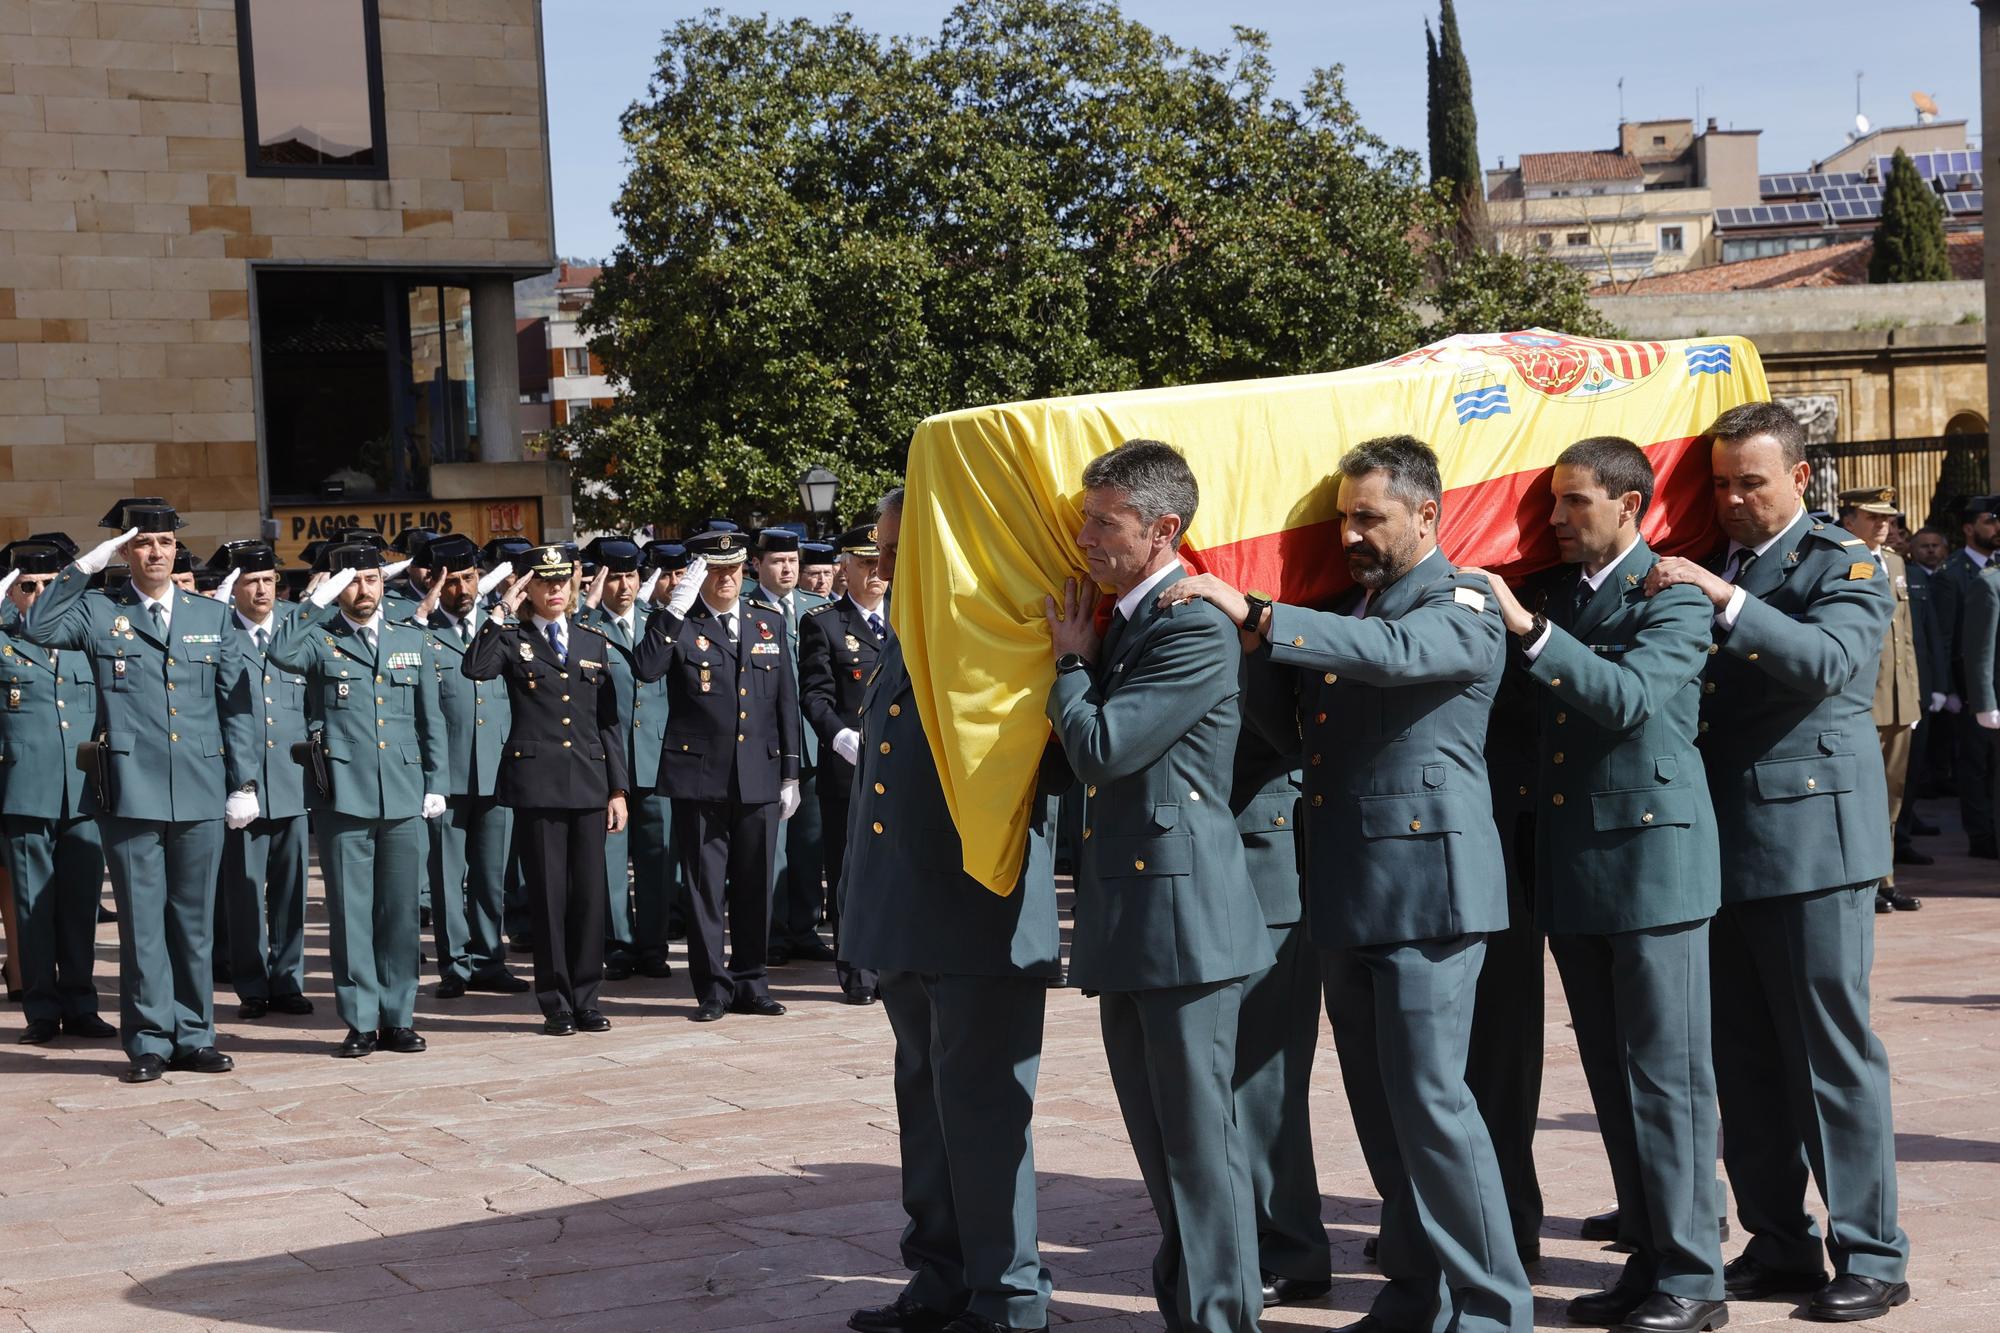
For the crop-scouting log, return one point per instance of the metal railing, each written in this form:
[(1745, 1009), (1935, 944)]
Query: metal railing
[(1931, 474)]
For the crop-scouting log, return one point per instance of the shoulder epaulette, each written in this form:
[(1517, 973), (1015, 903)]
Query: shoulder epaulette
[(1854, 541), (823, 606)]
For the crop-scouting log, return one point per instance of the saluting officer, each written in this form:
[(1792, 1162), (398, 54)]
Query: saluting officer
[(54, 855), (472, 841), (730, 765), (504, 555), (1626, 876), (1788, 737), (376, 696), (840, 644), (177, 752), (660, 914), (802, 860), (563, 774), (264, 863), (637, 858)]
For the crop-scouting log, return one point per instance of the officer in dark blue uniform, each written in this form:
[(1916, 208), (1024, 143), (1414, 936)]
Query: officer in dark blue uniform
[(505, 555), (660, 914), (730, 765)]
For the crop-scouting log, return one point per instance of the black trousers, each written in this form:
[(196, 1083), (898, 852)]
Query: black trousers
[(833, 839), (727, 852), (562, 871)]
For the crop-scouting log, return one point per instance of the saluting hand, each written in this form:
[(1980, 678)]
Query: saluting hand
[(1673, 569), (431, 595), (510, 601), (1073, 624)]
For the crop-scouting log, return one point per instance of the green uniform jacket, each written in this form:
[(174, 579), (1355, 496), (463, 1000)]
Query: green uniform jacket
[(1400, 842), (1933, 667), (178, 741), (275, 700), (49, 709), (385, 728), (1264, 794), (1980, 635), (476, 713), (1788, 724), (643, 704), (1626, 835), (1163, 897), (1951, 586), (802, 602), (910, 906)]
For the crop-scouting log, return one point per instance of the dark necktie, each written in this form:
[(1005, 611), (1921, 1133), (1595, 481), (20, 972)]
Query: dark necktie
[(465, 632), (1739, 565), (159, 614), (555, 641), (260, 637), (729, 626), (875, 624), (1584, 592), (1113, 636), (368, 637)]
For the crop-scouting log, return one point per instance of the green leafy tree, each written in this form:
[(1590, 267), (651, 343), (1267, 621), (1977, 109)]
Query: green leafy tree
[(1488, 289), (1454, 129), (1909, 240), (830, 235)]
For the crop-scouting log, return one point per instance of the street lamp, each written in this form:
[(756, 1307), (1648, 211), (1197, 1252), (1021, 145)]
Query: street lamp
[(818, 489)]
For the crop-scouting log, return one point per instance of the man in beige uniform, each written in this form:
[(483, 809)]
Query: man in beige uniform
[(1868, 512)]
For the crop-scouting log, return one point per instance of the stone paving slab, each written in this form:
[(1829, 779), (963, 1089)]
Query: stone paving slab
[(742, 1176)]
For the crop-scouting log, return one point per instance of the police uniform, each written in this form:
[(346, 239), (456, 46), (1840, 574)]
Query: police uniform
[(839, 647), (1972, 753), (565, 762), (512, 551), (965, 974), (1933, 680), (637, 857), (1788, 738), (174, 746), (732, 743), (374, 694), (804, 861), (660, 914), (472, 842), (1167, 928), (264, 865), (1405, 878), (54, 856)]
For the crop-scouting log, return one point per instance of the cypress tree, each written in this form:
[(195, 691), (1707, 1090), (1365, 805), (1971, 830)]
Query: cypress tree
[(1909, 240), (1433, 100), (1455, 131)]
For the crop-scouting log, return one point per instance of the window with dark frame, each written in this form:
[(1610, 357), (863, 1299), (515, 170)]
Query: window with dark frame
[(312, 88)]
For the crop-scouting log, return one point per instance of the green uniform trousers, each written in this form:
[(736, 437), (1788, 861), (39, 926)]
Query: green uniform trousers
[(1803, 1081), (1277, 1033), (968, 1050), (57, 866), (163, 876), (1402, 1018), (264, 907), (656, 875), (1172, 1053), (1639, 1001), (469, 844), (1503, 1066), (375, 870), (799, 899)]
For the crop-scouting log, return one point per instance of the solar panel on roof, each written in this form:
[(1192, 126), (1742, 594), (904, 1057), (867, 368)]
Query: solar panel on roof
[(1962, 202)]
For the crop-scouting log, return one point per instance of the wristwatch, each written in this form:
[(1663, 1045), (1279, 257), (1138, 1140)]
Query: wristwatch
[(1070, 662), (1253, 619), (1535, 630)]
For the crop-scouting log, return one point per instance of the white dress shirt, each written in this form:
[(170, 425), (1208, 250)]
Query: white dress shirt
[(1596, 581)]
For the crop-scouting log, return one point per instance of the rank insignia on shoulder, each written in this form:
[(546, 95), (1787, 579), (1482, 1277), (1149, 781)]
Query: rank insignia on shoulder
[(1861, 569), (1853, 541), (1471, 597), (527, 652)]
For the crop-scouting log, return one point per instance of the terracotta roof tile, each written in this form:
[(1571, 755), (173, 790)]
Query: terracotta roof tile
[(1566, 168), (1842, 265)]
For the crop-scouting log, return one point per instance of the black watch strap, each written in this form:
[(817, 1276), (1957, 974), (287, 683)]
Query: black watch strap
[(1536, 628), (1253, 619)]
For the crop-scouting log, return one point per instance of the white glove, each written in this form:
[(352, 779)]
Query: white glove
[(390, 571), (335, 585), (227, 586), (433, 805), (97, 557), (1990, 721), (1918, 723), (1937, 702), (1953, 704), (494, 577), (7, 580), (240, 810), (847, 744), (688, 588), (652, 581), (788, 798)]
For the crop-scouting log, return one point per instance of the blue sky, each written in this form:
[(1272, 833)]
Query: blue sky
[(1544, 75)]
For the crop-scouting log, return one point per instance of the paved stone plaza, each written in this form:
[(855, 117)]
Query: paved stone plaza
[(742, 1175)]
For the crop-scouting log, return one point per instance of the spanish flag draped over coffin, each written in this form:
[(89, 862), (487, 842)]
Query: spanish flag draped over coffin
[(991, 509)]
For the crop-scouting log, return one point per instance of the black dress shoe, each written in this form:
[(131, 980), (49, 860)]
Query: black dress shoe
[(291, 1004), (617, 971), (1293, 1290), (777, 956), (656, 967), (357, 1045), (762, 1005), (145, 1069), (1370, 1248), (88, 1025), (403, 1041), (450, 988), (1983, 849), (1744, 1279), (1605, 1309), (1848, 1299), (708, 1013), (206, 1060), (1907, 855), (562, 1023), (1662, 1313), (979, 1323), (108, 916), (902, 1315), (40, 1032), (1898, 901), (859, 995), (253, 1009), (592, 1020), (1601, 1226), (1530, 1253), (498, 983), (814, 950)]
